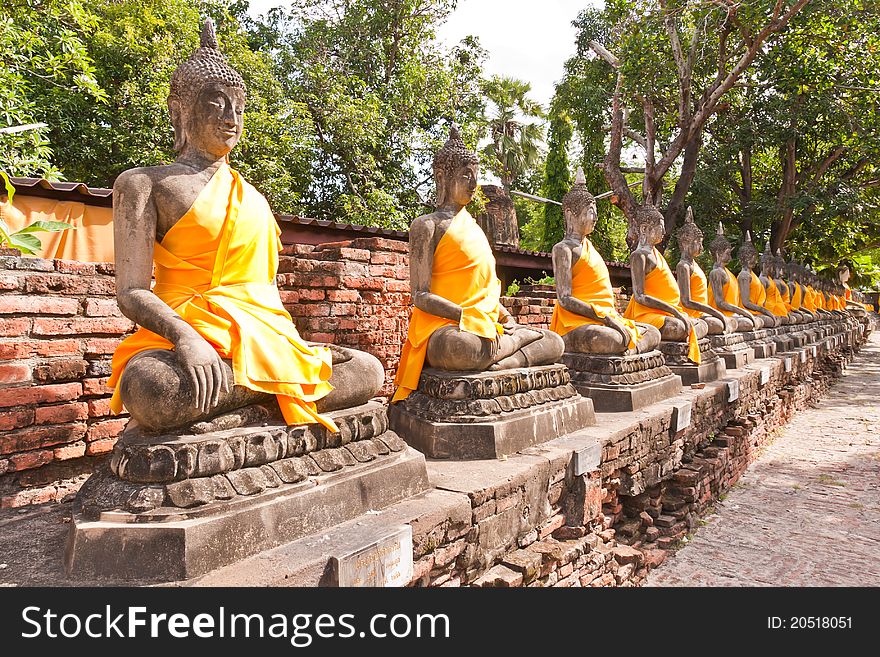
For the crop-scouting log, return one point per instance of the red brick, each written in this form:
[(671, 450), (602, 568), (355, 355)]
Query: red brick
[(83, 326), (72, 451), (363, 283), (102, 308), (63, 283), (39, 437), (343, 296), (74, 267), (29, 496), (100, 447), (311, 310), (397, 286), (15, 373), (388, 259), (30, 460), (380, 244), (60, 369), (101, 287), (100, 346), (95, 387), (99, 407), (14, 328), (40, 394), (56, 347), (10, 283), (16, 419), (62, 414), (106, 429), (289, 297), (37, 305), (15, 349)]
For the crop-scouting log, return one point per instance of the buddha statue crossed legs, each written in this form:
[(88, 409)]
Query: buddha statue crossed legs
[(214, 335)]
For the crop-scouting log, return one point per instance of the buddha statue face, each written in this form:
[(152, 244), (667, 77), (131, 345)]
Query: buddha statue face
[(690, 237), (455, 172), (843, 274), (215, 121), (650, 225), (748, 255), (579, 208)]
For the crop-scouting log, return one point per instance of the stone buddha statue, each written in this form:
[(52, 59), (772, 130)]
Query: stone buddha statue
[(692, 280), (773, 300), (656, 299), (843, 276), (214, 335), (751, 291), (723, 286), (585, 315), (796, 290), (785, 289), (458, 322)]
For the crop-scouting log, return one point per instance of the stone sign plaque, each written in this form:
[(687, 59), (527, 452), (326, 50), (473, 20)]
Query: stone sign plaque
[(803, 355), (788, 364), (387, 561), (765, 375), (733, 390), (587, 459), (681, 416)]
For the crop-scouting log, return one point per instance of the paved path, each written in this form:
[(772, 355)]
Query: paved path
[(807, 513)]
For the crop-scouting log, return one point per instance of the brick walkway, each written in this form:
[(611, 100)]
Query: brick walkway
[(807, 513)]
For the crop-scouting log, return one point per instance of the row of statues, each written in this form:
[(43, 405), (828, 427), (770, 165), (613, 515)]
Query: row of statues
[(215, 336)]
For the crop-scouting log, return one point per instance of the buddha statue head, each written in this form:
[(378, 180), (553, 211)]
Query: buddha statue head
[(690, 237), (843, 273), (648, 225), (768, 261), (778, 264), (748, 254), (455, 172), (579, 208), (206, 100), (720, 247)]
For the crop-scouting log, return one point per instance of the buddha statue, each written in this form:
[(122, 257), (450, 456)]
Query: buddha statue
[(843, 276), (656, 299), (458, 322), (585, 315), (213, 334), (772, 296), (692, 281), (797, 291), (751, 292), (724, 289), (785, 289)]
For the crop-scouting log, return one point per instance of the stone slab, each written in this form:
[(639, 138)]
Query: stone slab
[(386, 561), (586, 459), (703, 373), (121, 546), (681, 416), (508, 434), (735, 359), (732, 390), (763, 348), (623, 399)]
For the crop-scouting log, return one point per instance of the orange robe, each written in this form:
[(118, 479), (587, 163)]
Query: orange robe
[(786, 299), (731, 294), (660, 283), (774, 302), (757, 293), (797, 299), (216, 268), (464, 273), (590, 283), (699, 289)]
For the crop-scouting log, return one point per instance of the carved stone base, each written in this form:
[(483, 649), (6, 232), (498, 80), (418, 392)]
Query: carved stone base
[(189, 504), (485, 415), (711, 367), (619, 384), (760, 342), (780, 337), (732, 349)]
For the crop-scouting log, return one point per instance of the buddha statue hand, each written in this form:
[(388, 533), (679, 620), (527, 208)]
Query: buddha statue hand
[(204, 369), (617, 325), (730, 324)]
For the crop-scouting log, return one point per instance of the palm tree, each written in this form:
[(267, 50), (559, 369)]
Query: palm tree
[(516, 140)]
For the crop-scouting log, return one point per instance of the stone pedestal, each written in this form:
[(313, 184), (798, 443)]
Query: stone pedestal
[(760, 341), (173, 507), (711, 367), (732, 349), (780, 337), (485, 415), (622, 383)]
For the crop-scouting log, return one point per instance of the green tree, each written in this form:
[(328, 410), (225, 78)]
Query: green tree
[(41, 45), (514, 127), (557, 178)]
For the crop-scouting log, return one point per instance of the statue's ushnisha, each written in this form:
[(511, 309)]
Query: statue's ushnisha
[(214, 335)]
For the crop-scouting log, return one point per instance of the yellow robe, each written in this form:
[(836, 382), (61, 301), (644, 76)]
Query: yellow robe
[(786, 299), (757, 293), (464, 273), (216, 268), (590, 283), (774, 302), (731, 294), (699, 289), (797, 299), (660, 283)]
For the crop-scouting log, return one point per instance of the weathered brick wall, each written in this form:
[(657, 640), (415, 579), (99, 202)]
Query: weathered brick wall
[(539, 525)]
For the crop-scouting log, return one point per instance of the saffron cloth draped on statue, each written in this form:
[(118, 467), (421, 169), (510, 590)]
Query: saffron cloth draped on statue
[(774, 301), (464, 273), (660, 283), (590, 283), (216, 269), (731, 293), (699, 289)]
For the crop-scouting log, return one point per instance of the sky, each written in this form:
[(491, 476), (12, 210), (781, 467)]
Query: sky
[(526, 39)]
